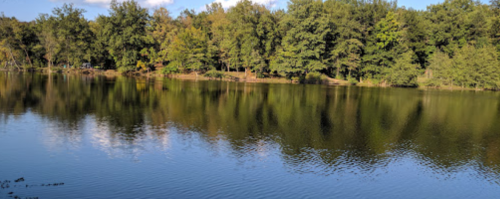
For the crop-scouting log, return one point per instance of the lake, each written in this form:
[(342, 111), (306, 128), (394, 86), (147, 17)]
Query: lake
[(67, 136)]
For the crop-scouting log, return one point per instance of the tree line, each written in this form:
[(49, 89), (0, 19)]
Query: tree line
[(455, 43)]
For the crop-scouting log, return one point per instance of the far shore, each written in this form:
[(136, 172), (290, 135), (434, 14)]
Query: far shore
[(234, 76)]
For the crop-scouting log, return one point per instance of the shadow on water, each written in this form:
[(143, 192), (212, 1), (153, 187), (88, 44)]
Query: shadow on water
[(318, 129)]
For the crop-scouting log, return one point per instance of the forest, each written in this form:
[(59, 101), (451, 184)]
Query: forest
[(455, 43)]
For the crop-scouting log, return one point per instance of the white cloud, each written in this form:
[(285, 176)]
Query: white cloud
[(105, 3), (231, 3), (158, 2)]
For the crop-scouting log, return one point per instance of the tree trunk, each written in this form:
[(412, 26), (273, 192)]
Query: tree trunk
[(67, 47), (50, 63), (28, 57), (338, 73), (338, 69), (13, 59), (246, 72)]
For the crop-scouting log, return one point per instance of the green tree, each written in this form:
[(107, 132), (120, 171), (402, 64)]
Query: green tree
[(219, 38), (441, 68), (304, 46), (189, 50), (404, 72), (346, 47), (449, 22), (383, 51), (415, 34), (270, 36), (100, 43), (73, 34), (163, 31), (46, 26), (245, 47), (126, 33), (7, 41)]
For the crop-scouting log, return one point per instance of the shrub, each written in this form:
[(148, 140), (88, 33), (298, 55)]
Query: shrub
[(352, 81), (296, 79), (168, 70), (214, 74), (141, 65), (125, 69), (433, 83), (404, 73), (313, 78)]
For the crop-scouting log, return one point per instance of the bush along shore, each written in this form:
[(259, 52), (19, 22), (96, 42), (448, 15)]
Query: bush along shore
[(453, 44)]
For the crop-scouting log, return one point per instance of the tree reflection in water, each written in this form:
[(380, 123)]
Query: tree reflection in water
[(314, 128)]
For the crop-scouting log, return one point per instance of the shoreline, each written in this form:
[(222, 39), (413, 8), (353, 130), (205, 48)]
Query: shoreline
[(234, 77)]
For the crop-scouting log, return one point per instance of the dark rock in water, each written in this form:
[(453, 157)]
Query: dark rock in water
[(10, 193), (19, 180)]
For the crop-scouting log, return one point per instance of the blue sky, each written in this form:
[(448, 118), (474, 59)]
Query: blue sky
[(29, 9)]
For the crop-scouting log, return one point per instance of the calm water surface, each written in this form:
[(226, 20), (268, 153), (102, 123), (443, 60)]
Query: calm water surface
[(161, 138)]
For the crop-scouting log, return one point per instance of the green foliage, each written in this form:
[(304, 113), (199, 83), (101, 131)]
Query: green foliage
[(416, 34), (168, 70), (404, 72), (432, 83), (471, 67), (346, 48), (189, 50), (304, 46), (73, 35), (162, 29), (384, 47), (126, 69), (387, 32), (141, 65), (352, 81), (441, 69), (125, 31), (313, 78), (214, 74)]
